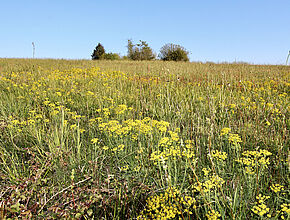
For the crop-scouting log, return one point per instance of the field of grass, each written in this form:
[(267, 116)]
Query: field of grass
[(143, 140)]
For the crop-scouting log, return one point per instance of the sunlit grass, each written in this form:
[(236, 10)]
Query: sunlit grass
[(125, 140)]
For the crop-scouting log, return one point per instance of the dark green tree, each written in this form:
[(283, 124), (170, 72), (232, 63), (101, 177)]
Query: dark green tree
[(140, 51), (173, 52), (98, 52)]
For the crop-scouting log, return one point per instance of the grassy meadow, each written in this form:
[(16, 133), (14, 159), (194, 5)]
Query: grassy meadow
[(143, 140)]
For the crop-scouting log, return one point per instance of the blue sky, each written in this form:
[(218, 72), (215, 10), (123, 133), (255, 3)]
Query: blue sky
[(254, 31)]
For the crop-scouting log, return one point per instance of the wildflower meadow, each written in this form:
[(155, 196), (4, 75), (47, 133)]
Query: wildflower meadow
[(143, 140)]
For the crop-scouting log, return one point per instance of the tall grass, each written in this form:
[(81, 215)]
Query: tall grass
[(127, 140)]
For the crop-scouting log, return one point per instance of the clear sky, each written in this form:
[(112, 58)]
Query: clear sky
[(254, 31)]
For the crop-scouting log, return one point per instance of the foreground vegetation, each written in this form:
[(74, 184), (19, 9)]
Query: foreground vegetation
[(145, 140)]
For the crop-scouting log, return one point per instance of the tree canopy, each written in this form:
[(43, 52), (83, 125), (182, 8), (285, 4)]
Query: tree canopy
[(173, 52), (140, 51)]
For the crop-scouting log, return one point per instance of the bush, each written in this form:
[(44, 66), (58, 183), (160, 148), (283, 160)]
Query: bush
[(140, 51), (173, 52), (111, 56), (98, 52)]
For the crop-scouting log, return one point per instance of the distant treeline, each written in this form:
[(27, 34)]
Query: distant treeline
[(142, 51)]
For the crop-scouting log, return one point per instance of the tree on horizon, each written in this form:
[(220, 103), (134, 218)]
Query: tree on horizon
[(140, 51), (99, 52), (173, 52)]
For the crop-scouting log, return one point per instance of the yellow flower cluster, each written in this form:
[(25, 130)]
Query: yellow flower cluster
[(209, 184), (254, 159), (285, 209), (213, 215), (277, 188), (37, 117), (94, 140), (205, 171), (234, 138), (171, 151), (120, 109), (218, 155), (261, 208), (225, 131), (168, 205), (133, 128), (168, 148)]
